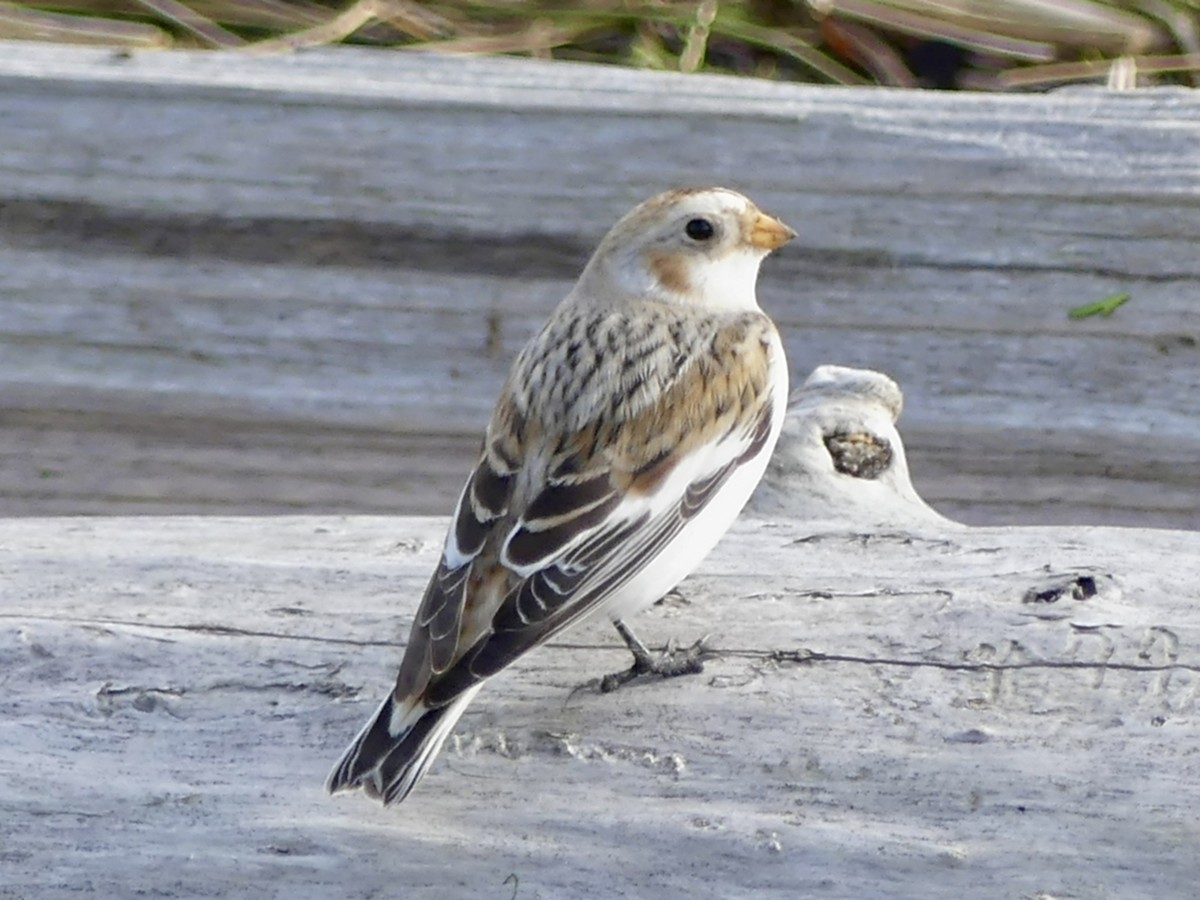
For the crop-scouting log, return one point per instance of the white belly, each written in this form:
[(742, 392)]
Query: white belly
[(687, 550)]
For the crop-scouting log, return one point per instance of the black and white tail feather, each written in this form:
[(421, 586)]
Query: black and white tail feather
[(387, 765)]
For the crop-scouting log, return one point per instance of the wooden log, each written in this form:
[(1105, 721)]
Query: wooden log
[(245, 284), (908, 709)]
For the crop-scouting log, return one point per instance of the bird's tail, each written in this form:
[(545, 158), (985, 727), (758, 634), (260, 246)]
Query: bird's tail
[(389, 757)]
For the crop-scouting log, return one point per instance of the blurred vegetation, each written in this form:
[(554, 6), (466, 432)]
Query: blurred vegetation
[(967, 44)]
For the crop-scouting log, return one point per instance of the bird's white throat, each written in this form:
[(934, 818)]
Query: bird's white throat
[(725, 283)]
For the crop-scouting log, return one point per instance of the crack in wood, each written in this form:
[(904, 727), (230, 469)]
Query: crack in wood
[(213, 630), (814, 261), (804, 657), (798, 657)]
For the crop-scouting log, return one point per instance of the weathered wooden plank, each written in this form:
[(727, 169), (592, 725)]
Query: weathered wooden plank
[(175, 689), (365, 238), (899, 706)]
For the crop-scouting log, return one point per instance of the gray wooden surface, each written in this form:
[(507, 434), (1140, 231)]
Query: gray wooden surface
[(240, 284), (175, 690), (898, 706)]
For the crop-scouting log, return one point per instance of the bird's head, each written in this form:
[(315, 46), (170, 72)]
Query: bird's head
[(696, 247)]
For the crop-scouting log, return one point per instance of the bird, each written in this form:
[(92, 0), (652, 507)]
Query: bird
[(628, 435)]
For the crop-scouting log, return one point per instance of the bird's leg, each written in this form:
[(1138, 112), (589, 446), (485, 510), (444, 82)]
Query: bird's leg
[(669, 663)]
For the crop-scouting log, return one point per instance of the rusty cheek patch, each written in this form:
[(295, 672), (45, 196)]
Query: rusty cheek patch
[(671, 271)]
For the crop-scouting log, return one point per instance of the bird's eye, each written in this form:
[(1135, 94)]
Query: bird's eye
[(699, 229)]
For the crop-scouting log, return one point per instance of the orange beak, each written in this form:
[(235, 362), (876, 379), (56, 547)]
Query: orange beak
[(768, 233)]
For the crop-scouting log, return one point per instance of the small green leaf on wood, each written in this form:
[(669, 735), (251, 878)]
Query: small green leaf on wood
[(1105, 307)]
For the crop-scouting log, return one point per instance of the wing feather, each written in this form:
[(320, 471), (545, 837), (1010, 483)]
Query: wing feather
[(567, 497), (536, 542), (565, 591)]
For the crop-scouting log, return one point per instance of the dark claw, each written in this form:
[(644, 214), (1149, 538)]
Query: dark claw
[(671, 662)]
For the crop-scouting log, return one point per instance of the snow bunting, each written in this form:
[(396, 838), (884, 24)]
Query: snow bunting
[(629, 434)]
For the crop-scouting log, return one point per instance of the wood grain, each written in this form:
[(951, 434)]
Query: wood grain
[(240, 284), (890, 714)]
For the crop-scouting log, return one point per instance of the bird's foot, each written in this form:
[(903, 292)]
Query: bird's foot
[(670, 662)]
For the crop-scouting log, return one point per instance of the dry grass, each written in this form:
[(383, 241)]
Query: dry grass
[(973, 44)]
